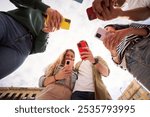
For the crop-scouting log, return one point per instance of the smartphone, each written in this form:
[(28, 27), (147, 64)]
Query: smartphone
[(65, 24), (90, 13), (69, 63), (81, 46), (80, 1), (100, 34)]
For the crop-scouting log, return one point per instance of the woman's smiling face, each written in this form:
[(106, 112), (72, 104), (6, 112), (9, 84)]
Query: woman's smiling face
[(69, 56)]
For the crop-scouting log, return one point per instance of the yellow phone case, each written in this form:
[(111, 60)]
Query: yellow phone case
[(65, 24)]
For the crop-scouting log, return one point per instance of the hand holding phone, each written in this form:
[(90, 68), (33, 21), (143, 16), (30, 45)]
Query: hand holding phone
[(65, 23), (100, 34), (81, 47), (90, 13)]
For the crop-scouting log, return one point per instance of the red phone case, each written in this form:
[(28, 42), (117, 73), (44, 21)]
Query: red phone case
[(90, 13), (80, 45)]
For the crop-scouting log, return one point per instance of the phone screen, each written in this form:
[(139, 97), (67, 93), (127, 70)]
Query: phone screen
[(80, 1)]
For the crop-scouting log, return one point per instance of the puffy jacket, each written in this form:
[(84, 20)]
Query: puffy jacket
[(31, 15)]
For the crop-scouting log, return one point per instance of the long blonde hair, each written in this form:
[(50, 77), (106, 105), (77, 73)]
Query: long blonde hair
[(59, 61)]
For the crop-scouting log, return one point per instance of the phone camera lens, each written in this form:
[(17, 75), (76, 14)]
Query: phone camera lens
[(98, 35), (68, 62)]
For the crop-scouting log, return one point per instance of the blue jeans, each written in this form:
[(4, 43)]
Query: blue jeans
[(83, 95), (15, 45), (138, 61)]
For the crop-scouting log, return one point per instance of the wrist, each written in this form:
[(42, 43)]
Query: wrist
[(113, 56), (147, 32), (95, 61), (130, 31), (54, 77), (121, 13)]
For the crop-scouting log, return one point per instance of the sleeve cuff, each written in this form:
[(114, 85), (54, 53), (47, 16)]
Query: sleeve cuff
[(148, 32), (41, 81), (43, 7)]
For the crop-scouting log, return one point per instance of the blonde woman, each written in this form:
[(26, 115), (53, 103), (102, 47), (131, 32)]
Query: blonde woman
[(59, 74)]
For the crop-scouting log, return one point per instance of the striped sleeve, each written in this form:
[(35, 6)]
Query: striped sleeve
[(131, 39), (125, 43), (136, 25), (147, 27)]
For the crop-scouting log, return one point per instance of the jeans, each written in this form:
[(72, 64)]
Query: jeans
[(138, 61), (83, 95), (15, 44)]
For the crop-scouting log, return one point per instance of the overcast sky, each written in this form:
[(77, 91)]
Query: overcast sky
[(81, 29)]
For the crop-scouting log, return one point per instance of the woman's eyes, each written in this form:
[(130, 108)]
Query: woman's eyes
[(70, 56)]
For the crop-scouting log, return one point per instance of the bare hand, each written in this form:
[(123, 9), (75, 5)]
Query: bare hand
[(112, 40), (111, 12), (98, 7), (63, 73)]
